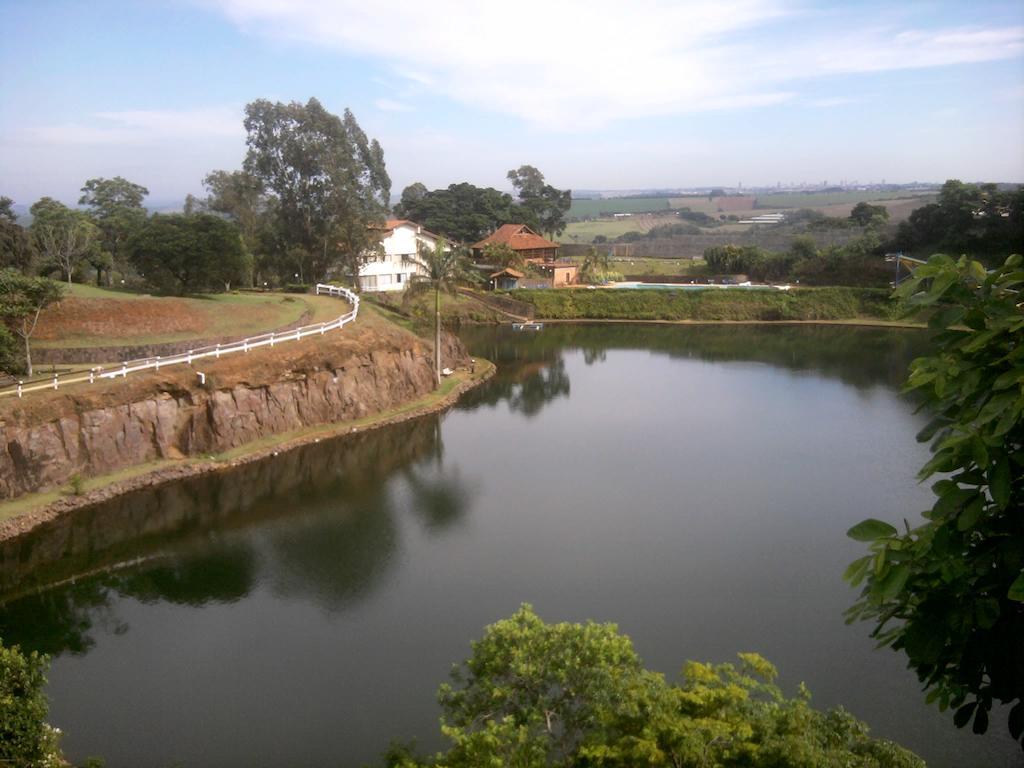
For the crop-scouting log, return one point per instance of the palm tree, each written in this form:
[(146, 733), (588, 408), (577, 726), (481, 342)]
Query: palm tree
[(595, 264), (441, 268)]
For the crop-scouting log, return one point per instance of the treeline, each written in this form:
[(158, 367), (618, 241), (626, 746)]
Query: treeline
[(467, 214), (856, 263), (981, 220), (298, 209)]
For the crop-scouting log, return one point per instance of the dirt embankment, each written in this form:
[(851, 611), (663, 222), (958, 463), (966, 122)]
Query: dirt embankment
[(369, 367)]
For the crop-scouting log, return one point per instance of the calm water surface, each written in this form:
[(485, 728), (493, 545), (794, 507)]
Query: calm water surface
[(691, 484)]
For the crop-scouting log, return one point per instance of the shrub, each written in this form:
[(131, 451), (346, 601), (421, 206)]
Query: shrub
[(25, 738)]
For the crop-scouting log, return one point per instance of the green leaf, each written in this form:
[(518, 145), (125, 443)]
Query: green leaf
[(1017, 589), (1007, 421), (893, 582), (1008, 379), (855, 571), (939, 286), (870, 530), (999, 482), (977, 271), (970, 515)]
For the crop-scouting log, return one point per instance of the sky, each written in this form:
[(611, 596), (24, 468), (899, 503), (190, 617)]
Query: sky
[(594, 93)]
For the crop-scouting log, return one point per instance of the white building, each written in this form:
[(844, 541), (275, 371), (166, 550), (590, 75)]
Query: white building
[(392, 267)]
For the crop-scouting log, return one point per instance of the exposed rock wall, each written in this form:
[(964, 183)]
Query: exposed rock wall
[(313, 383)]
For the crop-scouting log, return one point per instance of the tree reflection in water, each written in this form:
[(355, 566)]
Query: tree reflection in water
[(860, 357), (331, 535)]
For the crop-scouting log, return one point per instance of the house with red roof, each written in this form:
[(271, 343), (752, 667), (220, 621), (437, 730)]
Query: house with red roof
[(391, 267), (535, 251), (521, 239)]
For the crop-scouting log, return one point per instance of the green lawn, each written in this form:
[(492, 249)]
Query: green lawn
[(586, 231)]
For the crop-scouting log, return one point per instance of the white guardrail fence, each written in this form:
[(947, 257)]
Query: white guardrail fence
[(215, 351)]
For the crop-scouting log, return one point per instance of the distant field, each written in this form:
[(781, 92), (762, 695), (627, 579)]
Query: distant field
[(586, 231), (821, 199), (593, 208), (95, 317), (713, 206), (899, 208)]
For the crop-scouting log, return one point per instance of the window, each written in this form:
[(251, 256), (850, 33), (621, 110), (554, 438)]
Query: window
[(398, 277)]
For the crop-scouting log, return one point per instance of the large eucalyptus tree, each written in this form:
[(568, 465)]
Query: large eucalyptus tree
[(329, 181)]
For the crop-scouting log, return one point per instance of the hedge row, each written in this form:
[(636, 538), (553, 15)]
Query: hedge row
[(711, 304)]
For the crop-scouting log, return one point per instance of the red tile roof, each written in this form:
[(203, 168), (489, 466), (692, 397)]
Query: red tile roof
[(517, 236)]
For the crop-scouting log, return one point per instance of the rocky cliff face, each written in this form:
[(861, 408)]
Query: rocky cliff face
[(45, 442)]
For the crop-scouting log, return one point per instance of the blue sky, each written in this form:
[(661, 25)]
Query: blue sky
[(597, 94)]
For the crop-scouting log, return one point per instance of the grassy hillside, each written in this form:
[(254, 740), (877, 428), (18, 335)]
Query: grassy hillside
[(93, 317)]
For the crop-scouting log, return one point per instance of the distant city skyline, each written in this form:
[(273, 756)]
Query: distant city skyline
[(597, 95)]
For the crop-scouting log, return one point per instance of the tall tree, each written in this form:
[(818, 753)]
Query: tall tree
[(867, 215), (411, 196), (596, 262), (115, 205), (329, 180), (63, 236), (22, 299), (242, 198), (16, 249), (545, 207), (7, 209), (184, 254), (463, 212), (441, 268), (949, 593)]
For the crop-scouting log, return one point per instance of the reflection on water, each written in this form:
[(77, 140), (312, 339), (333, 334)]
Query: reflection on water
[(326, 507), (691, 483), (860, 357)]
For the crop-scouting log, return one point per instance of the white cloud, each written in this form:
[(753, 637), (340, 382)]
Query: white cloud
[(146, 127), (583, 63)]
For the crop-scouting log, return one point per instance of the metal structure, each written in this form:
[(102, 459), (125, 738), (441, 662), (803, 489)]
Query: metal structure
[(215, 351), (906, 261)]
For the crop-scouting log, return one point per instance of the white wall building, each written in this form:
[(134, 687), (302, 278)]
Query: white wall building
[(392, 268)]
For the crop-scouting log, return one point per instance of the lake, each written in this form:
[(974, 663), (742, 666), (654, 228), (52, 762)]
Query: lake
[(691, 484)]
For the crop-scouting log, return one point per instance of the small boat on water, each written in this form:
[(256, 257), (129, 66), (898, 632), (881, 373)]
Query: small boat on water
[(527, 326)]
